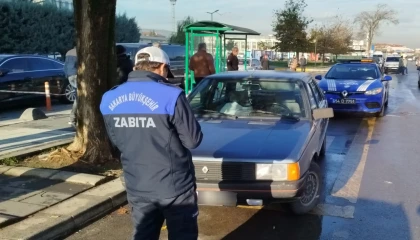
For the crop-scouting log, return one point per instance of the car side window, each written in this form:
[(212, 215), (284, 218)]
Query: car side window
[(312, 98), (38, 64), (16, 65), (178, 54)]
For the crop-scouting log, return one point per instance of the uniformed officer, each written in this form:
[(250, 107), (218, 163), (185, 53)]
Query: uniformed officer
[(151, 122)]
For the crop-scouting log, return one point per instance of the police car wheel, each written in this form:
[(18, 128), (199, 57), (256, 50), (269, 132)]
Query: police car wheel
[(382, 112)]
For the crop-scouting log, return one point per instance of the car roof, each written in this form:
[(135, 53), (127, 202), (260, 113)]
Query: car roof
[(264, 74)]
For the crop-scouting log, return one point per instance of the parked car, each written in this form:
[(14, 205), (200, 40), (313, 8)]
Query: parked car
[(263, 132), (29, 73), (252, 64), (176, 54), (356, 86)]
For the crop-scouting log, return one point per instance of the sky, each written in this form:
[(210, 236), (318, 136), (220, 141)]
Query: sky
[(258, 14)]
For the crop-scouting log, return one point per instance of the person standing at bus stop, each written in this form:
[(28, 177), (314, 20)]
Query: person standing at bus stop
[(154, 128), (233, 61), (202, 63)]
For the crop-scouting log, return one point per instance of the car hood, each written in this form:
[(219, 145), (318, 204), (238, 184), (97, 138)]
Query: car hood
[(349, 85), (254, 141)]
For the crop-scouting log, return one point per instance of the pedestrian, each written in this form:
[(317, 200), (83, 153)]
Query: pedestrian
[(293, 63), (124, 64), (303, 64), (233, 61), (265, 63), (70, 70), (405, 63), (152, 124), (401, 65), (202, 63)]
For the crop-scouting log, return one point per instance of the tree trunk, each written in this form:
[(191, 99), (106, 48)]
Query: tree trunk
[(95, 23)]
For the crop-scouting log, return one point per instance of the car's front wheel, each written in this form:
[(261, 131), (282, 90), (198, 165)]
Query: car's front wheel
[(382, 112), (69, 94), (311, 191)]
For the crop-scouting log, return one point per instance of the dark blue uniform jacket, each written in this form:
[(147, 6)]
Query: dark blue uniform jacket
[(153, 126)]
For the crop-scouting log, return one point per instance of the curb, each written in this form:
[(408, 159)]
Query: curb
[(52, 174), (66, 217), (38, 148)]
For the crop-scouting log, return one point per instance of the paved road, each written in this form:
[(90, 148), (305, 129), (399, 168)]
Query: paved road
[(370, 191)]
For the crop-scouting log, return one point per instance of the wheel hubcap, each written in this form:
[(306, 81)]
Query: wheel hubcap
[(311, 189), (70, 93)]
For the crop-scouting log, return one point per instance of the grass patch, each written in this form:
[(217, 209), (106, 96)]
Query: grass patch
[(62, 159), (9, 161)]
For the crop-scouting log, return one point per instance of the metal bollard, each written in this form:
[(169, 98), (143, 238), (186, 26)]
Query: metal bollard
[(47, 96)]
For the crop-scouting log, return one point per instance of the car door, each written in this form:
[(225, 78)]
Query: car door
[(321, 102), (44, 70), (17, 79)]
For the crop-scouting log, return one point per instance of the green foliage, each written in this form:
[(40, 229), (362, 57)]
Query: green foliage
[(126, 29), (9, 161), (179, 36), (290, 27), (229, 45), (44, 29)]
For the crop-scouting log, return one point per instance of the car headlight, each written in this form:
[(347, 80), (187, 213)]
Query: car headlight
[(278, 172), (374, 91)]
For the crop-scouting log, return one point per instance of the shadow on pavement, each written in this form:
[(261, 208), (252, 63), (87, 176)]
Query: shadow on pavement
[(373, 220)]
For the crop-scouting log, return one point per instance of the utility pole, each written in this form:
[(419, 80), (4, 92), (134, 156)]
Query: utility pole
[(211, 17), (211, 14), (173, 2)]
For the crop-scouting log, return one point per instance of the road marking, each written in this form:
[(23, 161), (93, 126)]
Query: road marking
[(320, 209), (347, 184)]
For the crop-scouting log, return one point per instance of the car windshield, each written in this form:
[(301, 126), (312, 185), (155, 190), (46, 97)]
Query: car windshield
[(393, 59), (248, 98), (353, 71)]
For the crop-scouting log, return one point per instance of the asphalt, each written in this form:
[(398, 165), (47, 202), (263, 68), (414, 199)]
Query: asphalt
[(370, 170)]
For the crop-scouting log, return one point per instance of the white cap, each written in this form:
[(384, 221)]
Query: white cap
[(156, 55)]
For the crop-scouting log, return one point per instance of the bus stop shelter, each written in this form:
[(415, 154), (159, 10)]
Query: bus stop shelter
[(221, 32)]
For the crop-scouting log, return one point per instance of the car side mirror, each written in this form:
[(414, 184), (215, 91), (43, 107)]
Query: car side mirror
[(387, 78), (321, 113), (318, 77), (4, 72)]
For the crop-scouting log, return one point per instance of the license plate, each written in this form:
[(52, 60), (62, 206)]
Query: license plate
[(217, 198), (344, 101)]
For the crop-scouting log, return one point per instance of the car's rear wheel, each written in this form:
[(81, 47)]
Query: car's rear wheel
[(69, 93), (311, 191)]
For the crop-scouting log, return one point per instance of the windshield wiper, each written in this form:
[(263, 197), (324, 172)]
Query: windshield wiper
[(213, 113), (288, 116)]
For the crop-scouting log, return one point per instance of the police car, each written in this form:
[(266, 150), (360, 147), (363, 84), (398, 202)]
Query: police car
[(356, 86)]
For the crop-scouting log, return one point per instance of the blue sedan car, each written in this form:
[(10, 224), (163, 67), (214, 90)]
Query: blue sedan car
[(356, 86)]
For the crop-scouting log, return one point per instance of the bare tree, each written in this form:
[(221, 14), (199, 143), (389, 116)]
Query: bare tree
[(371, 21)]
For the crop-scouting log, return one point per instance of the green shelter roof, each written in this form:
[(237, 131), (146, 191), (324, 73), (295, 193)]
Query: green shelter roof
[(213, 27)]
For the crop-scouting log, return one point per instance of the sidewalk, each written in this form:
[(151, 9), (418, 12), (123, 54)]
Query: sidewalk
[(26, 137), (49, 203)]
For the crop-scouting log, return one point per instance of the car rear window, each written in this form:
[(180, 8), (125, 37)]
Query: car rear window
[(248, 98), (353, 72), (392, 59)]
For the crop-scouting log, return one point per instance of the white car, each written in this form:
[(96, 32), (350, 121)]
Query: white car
[(391, 64), (252, 64)]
